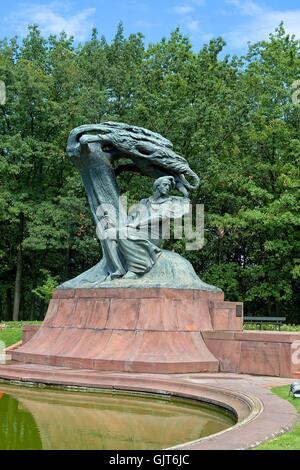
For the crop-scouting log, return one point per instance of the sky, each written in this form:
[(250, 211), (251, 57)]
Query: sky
[(237, 21)]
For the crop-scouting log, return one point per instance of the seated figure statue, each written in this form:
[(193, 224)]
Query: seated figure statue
[(134, 248)]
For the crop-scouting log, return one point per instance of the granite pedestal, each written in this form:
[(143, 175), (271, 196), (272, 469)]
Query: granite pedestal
[(137, 330), (157, 330)]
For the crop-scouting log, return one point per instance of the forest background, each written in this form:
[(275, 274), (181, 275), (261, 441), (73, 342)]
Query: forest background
[(233, 118)]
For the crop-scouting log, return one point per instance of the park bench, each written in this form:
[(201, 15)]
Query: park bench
[(260, 320)]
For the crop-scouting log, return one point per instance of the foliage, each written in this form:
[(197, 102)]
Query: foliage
[(10, 336), (270, 327), (11, 332), (17, 324), (45, 290), (232, 118)]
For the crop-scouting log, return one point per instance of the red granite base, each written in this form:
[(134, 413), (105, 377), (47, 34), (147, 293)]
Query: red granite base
[(157, 331), (136, 330), (272, 353)]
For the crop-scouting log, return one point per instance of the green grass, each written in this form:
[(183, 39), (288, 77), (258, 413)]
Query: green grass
[(11, 332), (271, 327), (10, 336), (290, 440)]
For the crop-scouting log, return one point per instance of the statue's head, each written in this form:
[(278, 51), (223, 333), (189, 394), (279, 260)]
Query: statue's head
[(163, 185)]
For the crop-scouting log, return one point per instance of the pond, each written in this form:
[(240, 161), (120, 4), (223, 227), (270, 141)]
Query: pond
[(33, 418)]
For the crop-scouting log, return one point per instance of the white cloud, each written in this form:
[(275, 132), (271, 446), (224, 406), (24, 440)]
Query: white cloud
[(261, 22), (183, 9), (53, 18), (145, 24), (248, 7), (193, 25), (136, 5), (187, 15)]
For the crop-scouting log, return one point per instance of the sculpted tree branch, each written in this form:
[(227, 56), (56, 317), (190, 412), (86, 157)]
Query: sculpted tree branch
[(151, 153)]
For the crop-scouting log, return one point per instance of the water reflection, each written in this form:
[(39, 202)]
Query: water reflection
[(50, 419)]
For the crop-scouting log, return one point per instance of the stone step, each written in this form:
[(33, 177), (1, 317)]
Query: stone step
[(50, 375)]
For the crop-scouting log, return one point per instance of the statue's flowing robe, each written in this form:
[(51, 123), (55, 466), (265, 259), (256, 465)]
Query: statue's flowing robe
[(93, 149)]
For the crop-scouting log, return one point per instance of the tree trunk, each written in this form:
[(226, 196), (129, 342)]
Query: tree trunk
[(269, 309), (17, 297), (8, 304)]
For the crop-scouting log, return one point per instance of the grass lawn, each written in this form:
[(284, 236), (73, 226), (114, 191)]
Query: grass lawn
[(271, 327), (290, 440), (11, 332), (10, 336)]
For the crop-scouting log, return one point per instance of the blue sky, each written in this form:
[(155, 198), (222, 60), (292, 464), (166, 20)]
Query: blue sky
[(238, 21)]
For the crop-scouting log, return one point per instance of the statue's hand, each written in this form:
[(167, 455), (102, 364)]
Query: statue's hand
[(88, 138), (182, 188), (110, 233)]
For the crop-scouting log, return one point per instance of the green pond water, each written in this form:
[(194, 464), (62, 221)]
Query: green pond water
[(32, 418)]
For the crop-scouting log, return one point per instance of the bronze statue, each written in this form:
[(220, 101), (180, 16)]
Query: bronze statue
[(131, 244)]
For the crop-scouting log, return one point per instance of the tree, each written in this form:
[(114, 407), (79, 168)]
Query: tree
[(232, 118)]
